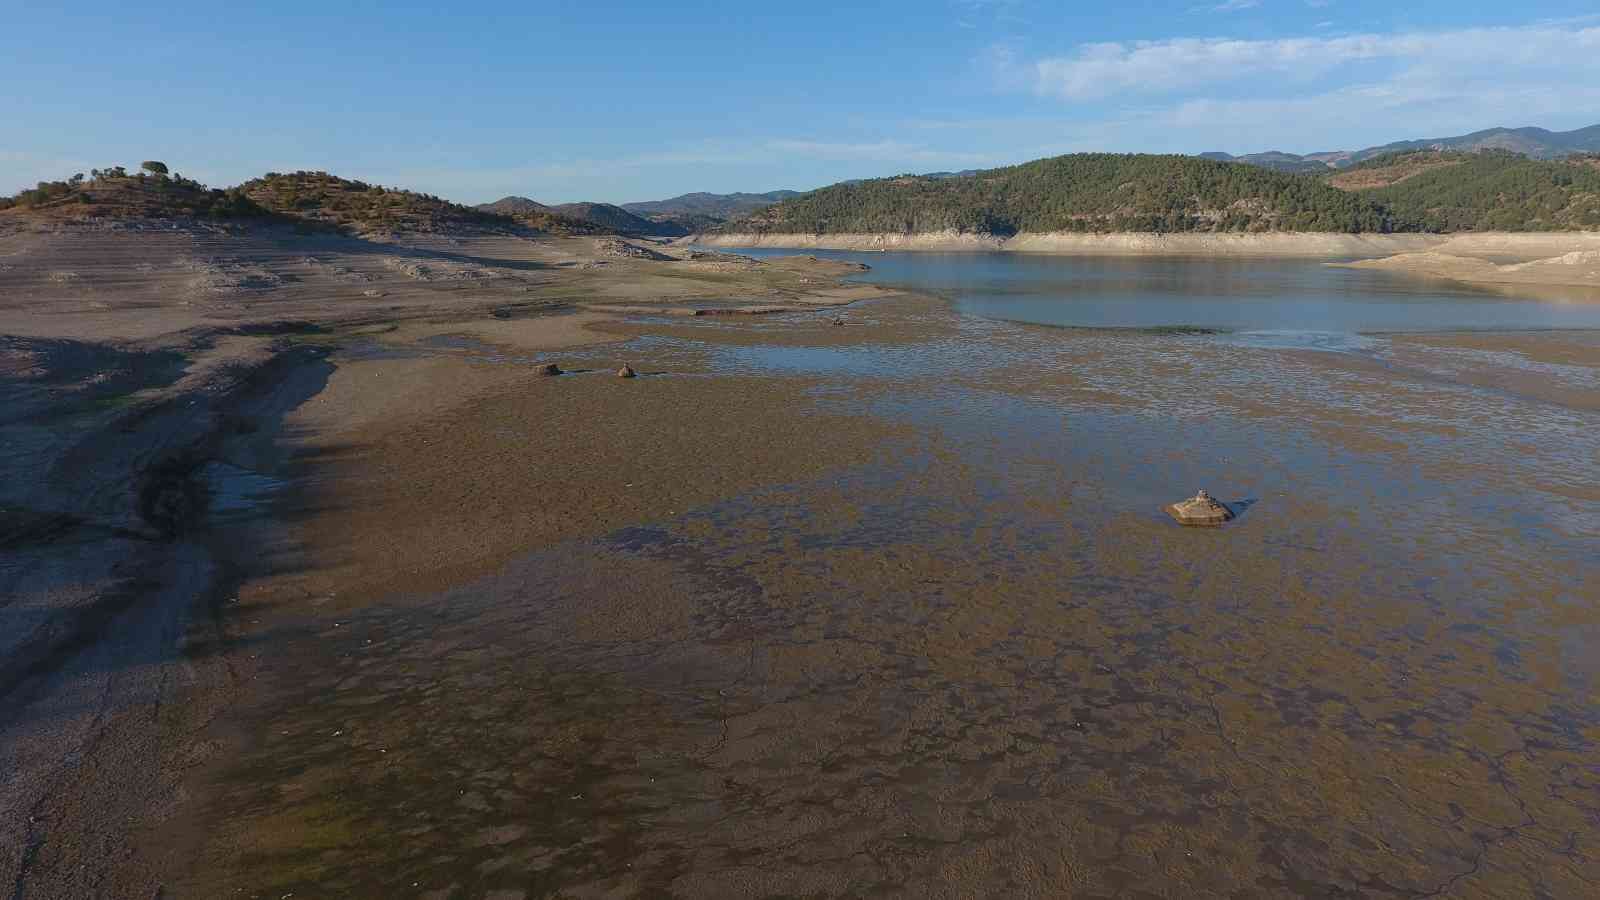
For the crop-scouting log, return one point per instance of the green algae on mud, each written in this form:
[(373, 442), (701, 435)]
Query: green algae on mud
[(939, 639)]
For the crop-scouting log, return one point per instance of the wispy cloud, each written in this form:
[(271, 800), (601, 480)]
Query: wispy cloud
[(1228, 6), (1188, 65)]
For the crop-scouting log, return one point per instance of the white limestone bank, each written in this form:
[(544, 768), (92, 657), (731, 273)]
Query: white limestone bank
[(1312, 245)]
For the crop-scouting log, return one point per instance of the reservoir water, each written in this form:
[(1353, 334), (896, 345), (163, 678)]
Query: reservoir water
[(1287, 301)]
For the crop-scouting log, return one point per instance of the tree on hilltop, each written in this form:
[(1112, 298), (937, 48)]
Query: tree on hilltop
[(154, 167)]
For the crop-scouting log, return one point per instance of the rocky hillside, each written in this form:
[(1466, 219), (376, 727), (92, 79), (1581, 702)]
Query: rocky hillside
[(536, 215), (617, 220), (340, 202), (512, 206)]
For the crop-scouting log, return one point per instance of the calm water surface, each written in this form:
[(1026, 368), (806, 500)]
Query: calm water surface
[(1273, 301)]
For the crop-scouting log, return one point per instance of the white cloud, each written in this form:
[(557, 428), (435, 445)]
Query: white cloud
[(1185, 65), (1229, 6)]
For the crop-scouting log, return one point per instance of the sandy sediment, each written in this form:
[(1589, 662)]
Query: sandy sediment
[(1509, 259)]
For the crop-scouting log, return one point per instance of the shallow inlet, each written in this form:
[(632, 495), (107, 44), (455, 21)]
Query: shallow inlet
[(1265, 301)]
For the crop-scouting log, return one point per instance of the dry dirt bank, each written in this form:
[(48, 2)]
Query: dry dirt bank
[(1506, 259), (146, 372)]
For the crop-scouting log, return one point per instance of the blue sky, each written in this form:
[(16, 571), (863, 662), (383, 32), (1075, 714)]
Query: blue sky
[(619, 101)]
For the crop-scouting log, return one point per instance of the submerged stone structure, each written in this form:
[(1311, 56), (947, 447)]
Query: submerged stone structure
[(1201, 509)]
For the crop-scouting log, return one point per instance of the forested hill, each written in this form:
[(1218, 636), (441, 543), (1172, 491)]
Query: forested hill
[(1094, 192), (1487, 191), (1101, 192)]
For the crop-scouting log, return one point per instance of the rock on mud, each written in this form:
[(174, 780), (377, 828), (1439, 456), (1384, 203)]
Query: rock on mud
[(1201, 509)]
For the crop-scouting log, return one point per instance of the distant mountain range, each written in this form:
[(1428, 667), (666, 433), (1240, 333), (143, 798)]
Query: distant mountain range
[(1536, 143), (614, 218), (715, 206), (601, 217), (673, 217)]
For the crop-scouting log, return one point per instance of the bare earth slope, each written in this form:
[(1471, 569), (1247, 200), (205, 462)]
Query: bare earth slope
[(146, 366)]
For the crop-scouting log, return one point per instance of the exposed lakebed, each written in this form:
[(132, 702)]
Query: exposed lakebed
[(941, 639)]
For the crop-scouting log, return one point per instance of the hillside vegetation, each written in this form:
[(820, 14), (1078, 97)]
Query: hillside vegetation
[(341, 202), (113, 193), (1487, 191), (1089, 192), (1096, 192)]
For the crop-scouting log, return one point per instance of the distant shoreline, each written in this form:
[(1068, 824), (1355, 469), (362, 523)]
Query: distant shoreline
[(1544, 258), (1307, 244)]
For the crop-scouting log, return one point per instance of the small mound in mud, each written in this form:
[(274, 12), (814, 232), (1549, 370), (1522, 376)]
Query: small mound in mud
[(1200, 510)]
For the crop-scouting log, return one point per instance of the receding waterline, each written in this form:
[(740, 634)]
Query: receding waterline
[(1293, 301)]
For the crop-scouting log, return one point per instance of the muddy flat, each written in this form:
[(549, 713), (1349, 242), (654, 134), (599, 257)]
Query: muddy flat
[(877, 599)]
